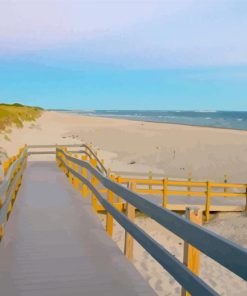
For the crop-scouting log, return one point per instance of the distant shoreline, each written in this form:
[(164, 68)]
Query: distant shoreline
[(149, 121)]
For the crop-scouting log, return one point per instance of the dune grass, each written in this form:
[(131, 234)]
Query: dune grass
[(16, 114)]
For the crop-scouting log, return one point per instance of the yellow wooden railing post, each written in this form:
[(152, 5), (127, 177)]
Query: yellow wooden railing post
[(246, 199), (150, 177), (129, 241), (192, 255), (1, 225), (94, 182), (6, 166), (1, 231), (225, 181), (189, 180), (66, 171), (164, 202), (76, 180), (71, 179), (84, 174), (208, 201), (109, 218), (118, 179)]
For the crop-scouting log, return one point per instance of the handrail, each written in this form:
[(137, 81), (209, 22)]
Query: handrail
[(225, 252), (6, 181), (180, 183), (183, 275), (4, 208), (166, 187), (91, 153), (10, 185), (54, 145)]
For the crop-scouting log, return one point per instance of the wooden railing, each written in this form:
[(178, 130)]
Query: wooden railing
[(165, 187), (171, 188), (83, 149), (13, 171), (83, 173)]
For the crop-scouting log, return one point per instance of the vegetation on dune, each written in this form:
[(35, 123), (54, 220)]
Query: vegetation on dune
[(16, 114)]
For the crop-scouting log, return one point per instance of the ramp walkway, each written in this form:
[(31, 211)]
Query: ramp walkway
[(54, 244)]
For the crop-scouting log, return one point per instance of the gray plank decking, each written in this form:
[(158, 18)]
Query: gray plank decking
[(54, 245)]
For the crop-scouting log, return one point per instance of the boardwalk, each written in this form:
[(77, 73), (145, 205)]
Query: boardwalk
[(55, 245)]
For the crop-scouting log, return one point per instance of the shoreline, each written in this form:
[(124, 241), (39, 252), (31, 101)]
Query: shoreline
[(152, 121), (173, 150)]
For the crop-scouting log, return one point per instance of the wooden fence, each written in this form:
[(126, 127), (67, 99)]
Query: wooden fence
[(165, 187), (171, 188)]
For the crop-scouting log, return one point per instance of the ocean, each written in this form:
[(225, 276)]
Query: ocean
[(220, 119)]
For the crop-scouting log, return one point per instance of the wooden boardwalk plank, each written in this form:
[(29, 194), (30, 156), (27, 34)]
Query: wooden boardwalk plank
[(55, 245)]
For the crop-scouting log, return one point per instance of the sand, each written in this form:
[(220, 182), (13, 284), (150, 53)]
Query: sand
[(168, 150), (173, 150)]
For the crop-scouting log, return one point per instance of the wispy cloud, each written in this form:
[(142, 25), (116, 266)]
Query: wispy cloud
[(133, 34)]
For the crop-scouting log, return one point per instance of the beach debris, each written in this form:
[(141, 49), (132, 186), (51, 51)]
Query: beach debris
[(132, 162)]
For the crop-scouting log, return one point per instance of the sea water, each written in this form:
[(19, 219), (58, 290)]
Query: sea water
[(220, 119)]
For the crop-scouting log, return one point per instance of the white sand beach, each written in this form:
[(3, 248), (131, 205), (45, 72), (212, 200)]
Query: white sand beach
[(170, 150), (173, 150)]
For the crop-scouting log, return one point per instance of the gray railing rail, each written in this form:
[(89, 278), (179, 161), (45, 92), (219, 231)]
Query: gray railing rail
[(7, 179), (225, 252), (91, 155), (55, 145)]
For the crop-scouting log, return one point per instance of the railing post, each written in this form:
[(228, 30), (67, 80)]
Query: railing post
[(192, 255), (70, 166), (84, 174), (94, 182), (76, 180), (189, 180), (164, 202), (208, 201), (129, 241), (109, 218), (6, 166), (1, 231), (150, 177), (58, 164), (225, 181), (246, 199), (1, 225), (66, 170), (119, 199)]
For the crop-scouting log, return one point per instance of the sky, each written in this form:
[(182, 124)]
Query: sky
[(169, 54)]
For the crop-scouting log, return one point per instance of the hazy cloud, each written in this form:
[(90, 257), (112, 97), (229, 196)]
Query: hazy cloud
[(127, 33)]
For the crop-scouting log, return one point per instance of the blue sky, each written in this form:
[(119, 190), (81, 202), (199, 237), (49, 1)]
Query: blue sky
[(170, 54)]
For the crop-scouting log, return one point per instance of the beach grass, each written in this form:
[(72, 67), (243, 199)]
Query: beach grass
[(17, 114)]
